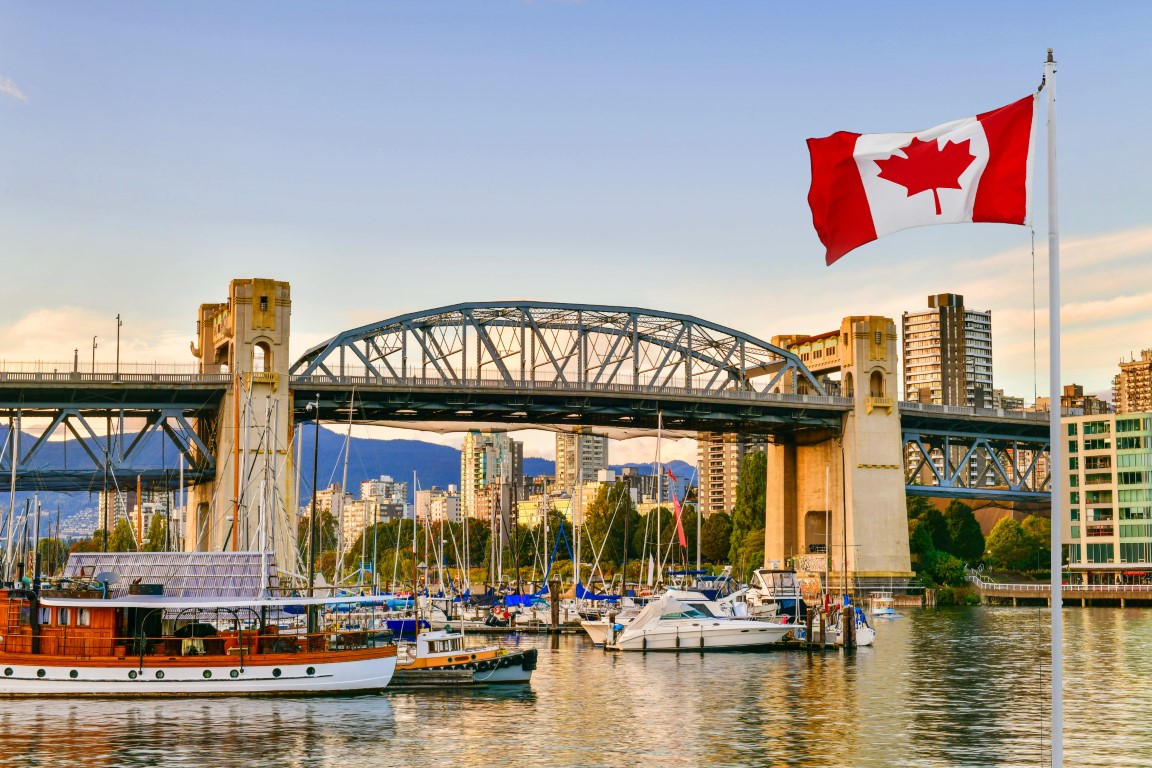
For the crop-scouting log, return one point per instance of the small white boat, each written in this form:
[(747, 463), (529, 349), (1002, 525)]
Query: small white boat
[(667, 624), (865, 634), (881, 605)]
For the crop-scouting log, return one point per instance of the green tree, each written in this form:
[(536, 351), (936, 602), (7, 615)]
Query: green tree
[(938, 528), (157, 534), (1009, 545), (606, 518), (750, 556), (53, 553), (920, 543), (916, 506), (1039, 530), (964, 532), (94, 544), (944, 568), (650, 530), (327, 540), (122, 540), (716, 537), (748, 509)]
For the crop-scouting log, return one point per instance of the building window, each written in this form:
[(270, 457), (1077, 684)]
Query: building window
[(1097, 428), (1075, 532), (1071, 430), (1100, 553), (263, 303), (1074, 463)]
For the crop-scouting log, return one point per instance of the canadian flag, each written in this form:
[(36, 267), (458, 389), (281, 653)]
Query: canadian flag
[(865, 186)]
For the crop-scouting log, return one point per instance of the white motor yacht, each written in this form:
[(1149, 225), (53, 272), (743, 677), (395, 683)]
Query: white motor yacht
[(668, 624)]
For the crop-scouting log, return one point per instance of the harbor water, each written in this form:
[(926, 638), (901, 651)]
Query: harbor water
[(941, 687)]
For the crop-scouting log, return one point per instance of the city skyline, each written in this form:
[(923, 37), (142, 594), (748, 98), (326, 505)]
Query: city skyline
[(646, 156)]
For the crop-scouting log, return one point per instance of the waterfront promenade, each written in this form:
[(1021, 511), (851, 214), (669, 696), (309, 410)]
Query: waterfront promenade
[(1123, 595)]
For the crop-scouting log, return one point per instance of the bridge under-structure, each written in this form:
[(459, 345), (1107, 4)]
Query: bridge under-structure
[(845, 458)]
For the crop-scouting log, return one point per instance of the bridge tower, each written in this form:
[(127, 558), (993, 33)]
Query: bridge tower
[(842, 496), (251, 504)]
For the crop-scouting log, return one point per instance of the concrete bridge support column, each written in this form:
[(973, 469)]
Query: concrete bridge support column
[(251, 504), (860, 518)]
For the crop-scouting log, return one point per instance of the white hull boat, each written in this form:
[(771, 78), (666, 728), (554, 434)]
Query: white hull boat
[(670, 625)]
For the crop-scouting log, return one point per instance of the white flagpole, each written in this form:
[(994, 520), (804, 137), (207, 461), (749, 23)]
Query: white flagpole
[(1055, 454)]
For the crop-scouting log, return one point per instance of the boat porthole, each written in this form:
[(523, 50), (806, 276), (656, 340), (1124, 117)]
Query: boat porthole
[(234, 674), (311, 670), (159, 674), (131, 674), (473, 657), (207, 674), (73, 674), (7, 671), (276, 672), (40, 673)]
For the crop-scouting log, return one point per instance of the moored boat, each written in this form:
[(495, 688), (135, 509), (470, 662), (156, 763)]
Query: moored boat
[(218, 633), (444, 651), (667, 624)]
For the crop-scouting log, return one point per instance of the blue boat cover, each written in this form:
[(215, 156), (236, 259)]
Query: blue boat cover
[(585, 594)]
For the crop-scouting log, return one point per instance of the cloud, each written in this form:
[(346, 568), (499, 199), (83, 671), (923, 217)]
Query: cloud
[(9, 88)]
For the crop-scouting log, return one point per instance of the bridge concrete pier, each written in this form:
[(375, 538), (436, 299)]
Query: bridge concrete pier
[(250, 505), (844, 494)]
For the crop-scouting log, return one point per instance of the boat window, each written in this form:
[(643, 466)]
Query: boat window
[(688, 613), (703, 610), (83, 617), (45, 615), (63, 616)]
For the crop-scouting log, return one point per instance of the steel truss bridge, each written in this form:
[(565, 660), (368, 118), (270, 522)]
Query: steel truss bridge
[(509, 365)]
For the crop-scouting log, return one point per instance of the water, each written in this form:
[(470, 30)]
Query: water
[(946, 687)]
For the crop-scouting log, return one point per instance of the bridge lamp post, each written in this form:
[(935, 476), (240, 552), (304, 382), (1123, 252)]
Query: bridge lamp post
[(312, 527), (93, 354), (118, 324)]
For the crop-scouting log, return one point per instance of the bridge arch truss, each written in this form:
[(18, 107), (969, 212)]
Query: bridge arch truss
[(568, 345)]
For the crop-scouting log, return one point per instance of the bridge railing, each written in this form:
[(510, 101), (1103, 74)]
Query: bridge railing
[(969, 410), (992, 586), (300, 382), (80, 377)]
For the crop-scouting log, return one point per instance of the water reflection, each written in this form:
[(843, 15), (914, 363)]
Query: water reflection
[(947, 687)]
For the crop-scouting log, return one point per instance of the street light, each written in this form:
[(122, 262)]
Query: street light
[(312, 527), (93, 354), (118, 324)]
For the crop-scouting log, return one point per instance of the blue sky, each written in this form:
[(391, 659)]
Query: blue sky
[(387, 157)]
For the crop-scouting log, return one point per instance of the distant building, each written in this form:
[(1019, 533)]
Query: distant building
[(121, 505), (1075, 403), (438, 506), (1132, 387), (384, 500), (948, 353), (719, 457), (1108, 496), (579, 458), (491, 465)]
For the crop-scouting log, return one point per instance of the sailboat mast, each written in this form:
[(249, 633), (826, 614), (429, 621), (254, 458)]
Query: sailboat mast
[(659, 493)]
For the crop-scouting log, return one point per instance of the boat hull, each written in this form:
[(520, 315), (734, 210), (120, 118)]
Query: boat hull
[(509, 667), (661, 638), (216, 677)]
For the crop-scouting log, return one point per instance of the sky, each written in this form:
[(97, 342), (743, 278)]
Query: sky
[(390, 157)]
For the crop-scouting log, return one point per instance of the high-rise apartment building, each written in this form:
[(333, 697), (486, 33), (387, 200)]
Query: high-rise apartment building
[(438, 506), (491, 463), (719, 457), (579, 458), (1132, 387), (1107, 489), (948, 353)]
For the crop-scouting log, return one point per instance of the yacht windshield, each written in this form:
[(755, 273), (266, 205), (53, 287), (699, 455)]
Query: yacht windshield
[(689, 612)]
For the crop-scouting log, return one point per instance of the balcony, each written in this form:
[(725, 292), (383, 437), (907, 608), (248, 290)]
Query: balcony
[(875, 403)]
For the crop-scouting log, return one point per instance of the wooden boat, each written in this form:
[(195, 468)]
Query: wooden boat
[(62, 644), (444, 650)]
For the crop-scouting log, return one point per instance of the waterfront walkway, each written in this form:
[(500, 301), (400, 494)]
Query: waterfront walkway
[(1124, 595)]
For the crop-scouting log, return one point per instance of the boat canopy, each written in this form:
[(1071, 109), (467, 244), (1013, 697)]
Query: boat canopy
[(586, 594)]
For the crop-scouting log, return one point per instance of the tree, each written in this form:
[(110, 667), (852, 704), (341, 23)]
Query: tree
[(920, 544), (964, 531), (944, 568), (94, 544), (157, 534), (1039, 530), (122, 540), (304, 535), (748, 509), (750, 555), (52, 555), (606, 518), (1009, 545), (938, 528), (916, 506), (716, 537)]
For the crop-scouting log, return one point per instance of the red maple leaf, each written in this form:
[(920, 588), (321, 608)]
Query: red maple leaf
[(928, 166)]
